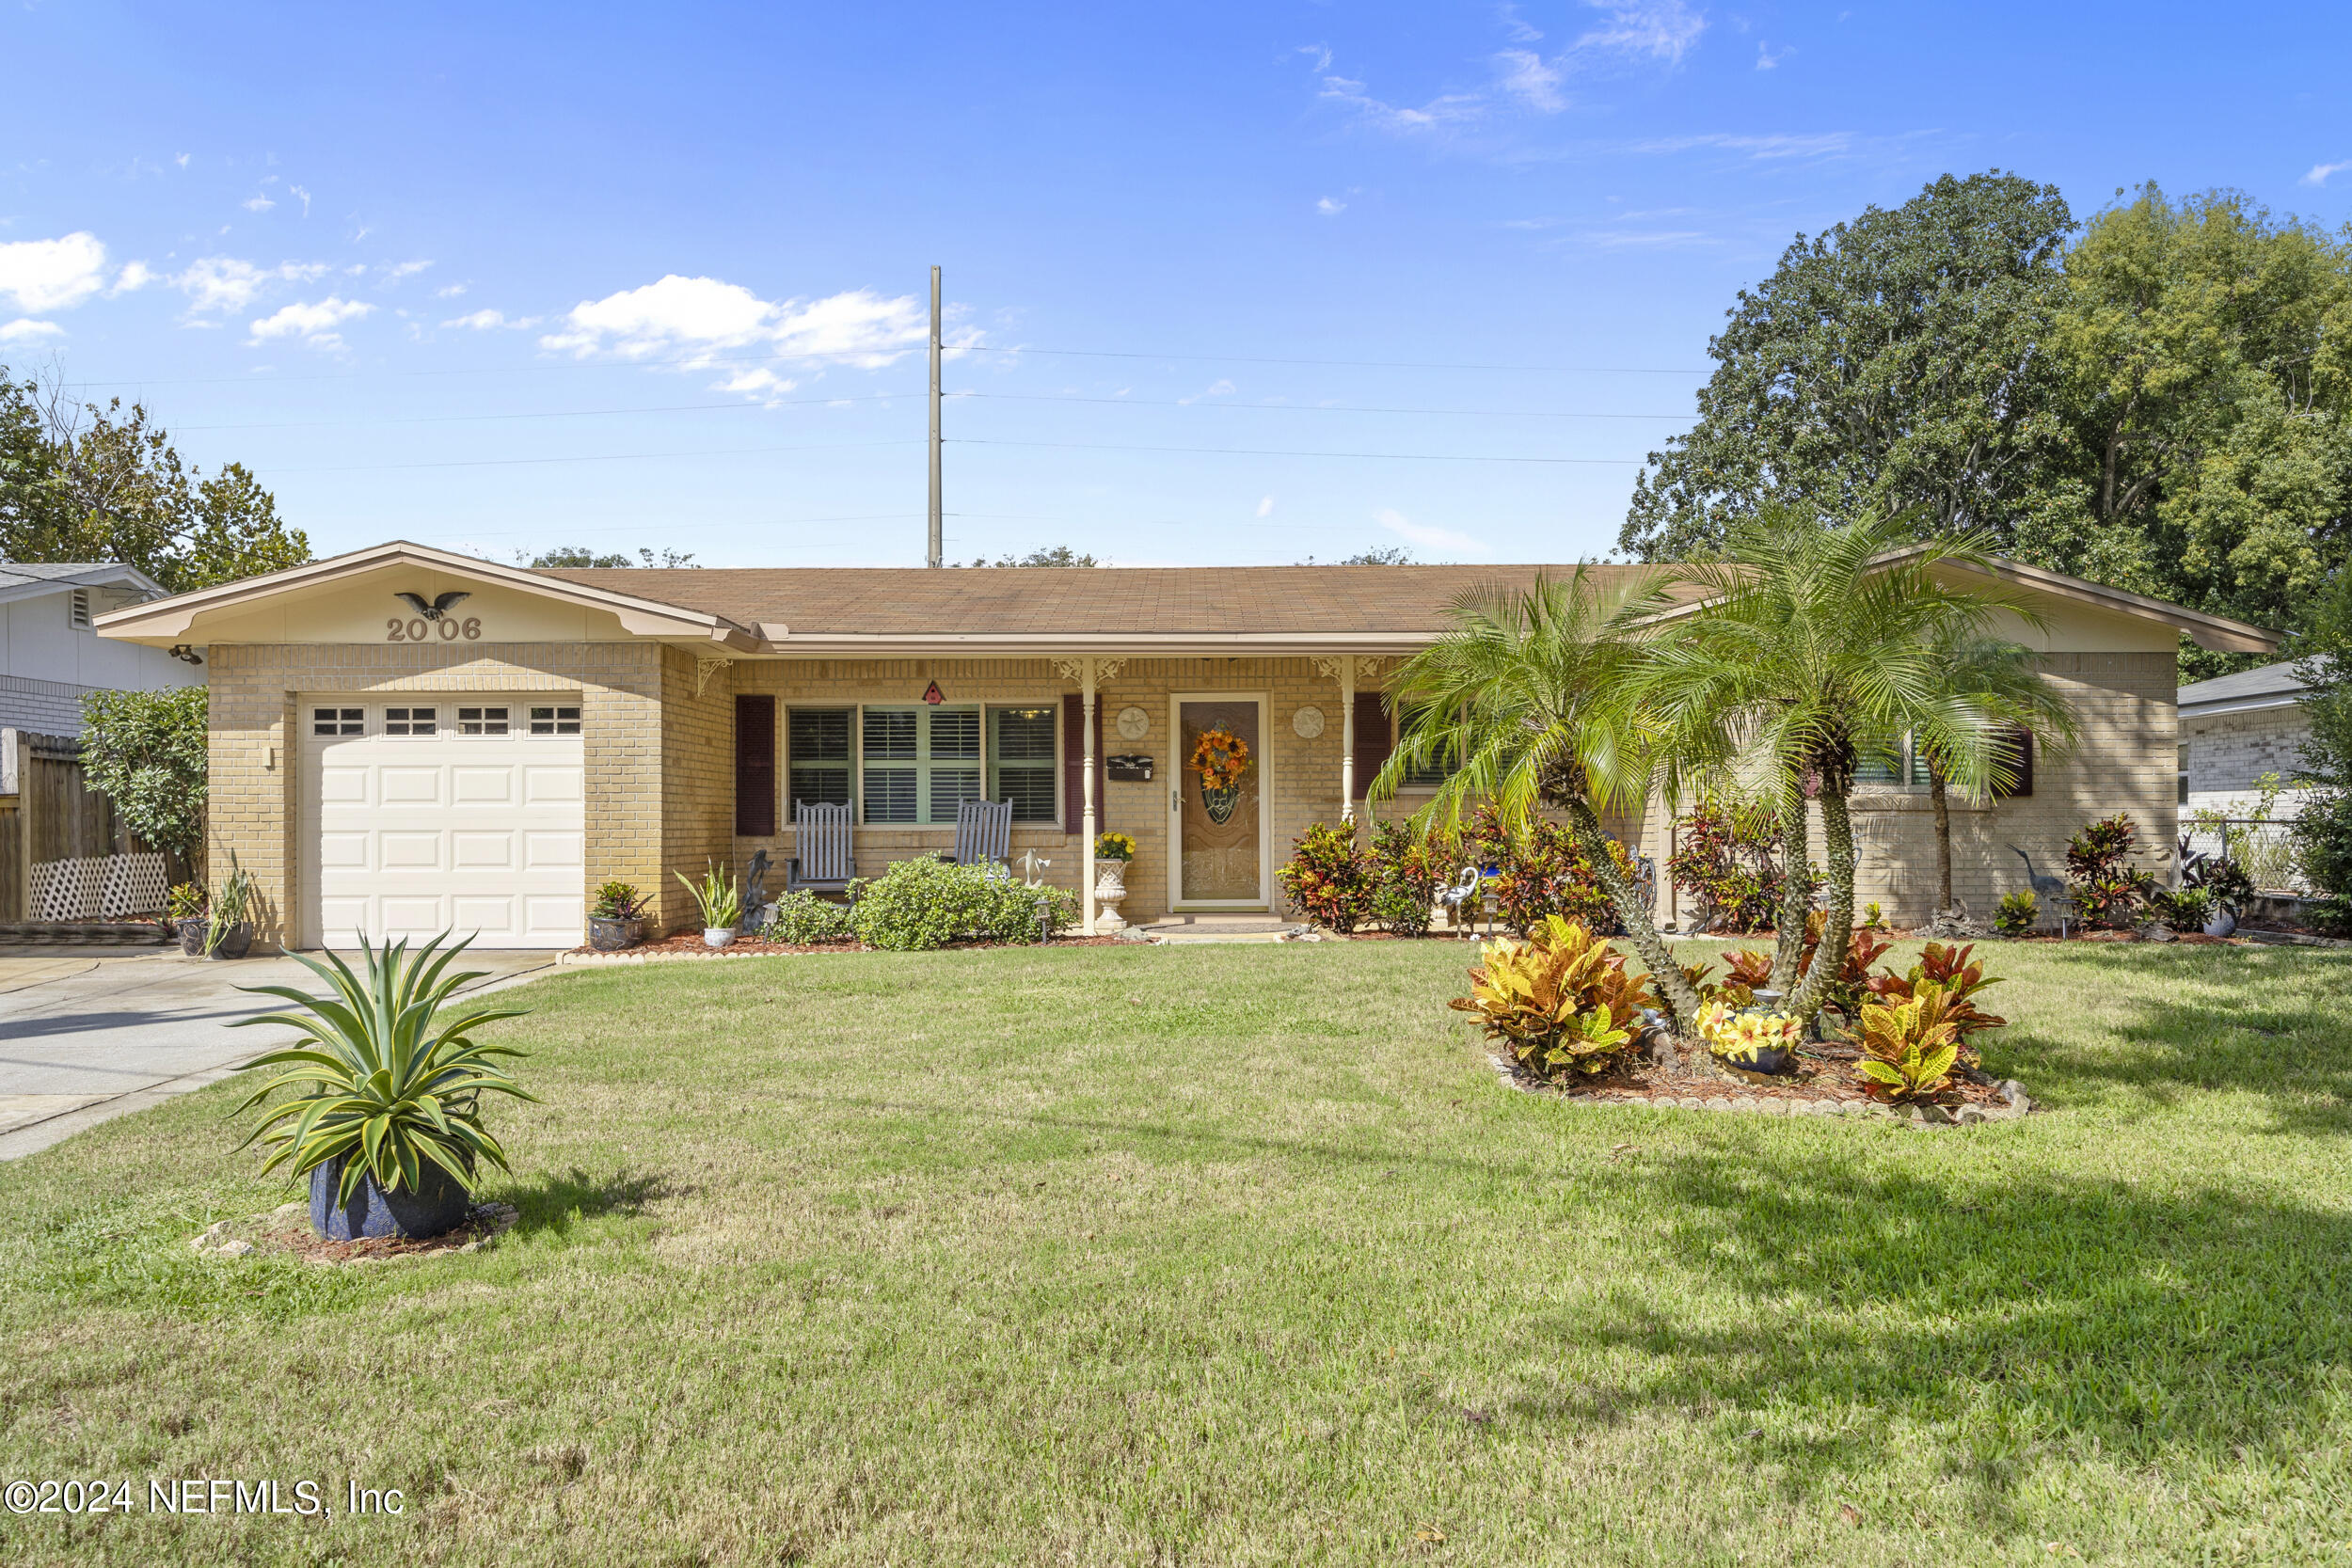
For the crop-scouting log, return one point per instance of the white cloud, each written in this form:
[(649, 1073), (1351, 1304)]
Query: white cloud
[(1329, 208), (28, 331), (1220, 388), (1515, 26), (1662, 29), (297, 190), (133, 276), (695, 318), (1767, 60), (1427, 537), (2318, 176), (1319, 53), (448, 290), (258, 204), (1448, 109), (1526, 76), (53, 275), (491, 320), (1826, 144), (399, 269), (313, 323), (182, 160), (1265, 506), (225, 283)]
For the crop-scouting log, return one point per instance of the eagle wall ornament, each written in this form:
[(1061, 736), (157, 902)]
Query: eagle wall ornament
[(440, 606)]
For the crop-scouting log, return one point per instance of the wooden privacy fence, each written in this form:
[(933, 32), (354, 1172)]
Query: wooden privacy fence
[(64, 855)]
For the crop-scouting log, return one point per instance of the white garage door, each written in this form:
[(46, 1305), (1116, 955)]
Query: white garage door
[(427, 814)]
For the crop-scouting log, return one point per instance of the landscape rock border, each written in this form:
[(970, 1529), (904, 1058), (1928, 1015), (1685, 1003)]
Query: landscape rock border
[(2013, 1104)]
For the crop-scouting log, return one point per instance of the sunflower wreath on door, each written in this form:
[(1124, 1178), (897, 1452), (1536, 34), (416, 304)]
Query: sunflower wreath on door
[(1221, 758)]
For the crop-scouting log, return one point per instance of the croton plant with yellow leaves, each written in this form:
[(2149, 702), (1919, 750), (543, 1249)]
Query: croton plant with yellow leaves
[(1561, 1000)]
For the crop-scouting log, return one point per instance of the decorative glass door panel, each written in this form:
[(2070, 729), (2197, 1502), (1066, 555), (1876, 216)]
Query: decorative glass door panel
[(1220, 776)]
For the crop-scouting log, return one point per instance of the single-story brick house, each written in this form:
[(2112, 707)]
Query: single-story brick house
[(405, 738)]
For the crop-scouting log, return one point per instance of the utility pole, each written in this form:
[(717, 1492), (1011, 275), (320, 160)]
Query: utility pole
[(938, 553)]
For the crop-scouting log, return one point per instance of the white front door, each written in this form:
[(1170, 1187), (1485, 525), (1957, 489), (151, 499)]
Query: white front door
[(436, 812)]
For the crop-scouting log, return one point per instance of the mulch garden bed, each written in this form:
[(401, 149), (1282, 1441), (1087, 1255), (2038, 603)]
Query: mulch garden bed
[(286, 1230), (1824, 1084)]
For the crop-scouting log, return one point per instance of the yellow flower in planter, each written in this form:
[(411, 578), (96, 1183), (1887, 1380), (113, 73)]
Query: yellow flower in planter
[(1738, 1036)]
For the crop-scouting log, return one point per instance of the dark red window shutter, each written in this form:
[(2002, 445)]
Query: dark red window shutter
[(1373, 743), (755, 766), (2017, 748), (1073, 768)]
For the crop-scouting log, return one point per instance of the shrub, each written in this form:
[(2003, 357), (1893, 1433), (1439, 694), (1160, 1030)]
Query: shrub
[(1329, 877), (1749, 971), (2330, 916), (1908, 1047), (2106, 888), (1407, 871), (803, 920), (1561, 999), (2322, 840), (388, 1082), (2019, 913), (2185, 908), (1729, 858), (1736, 1034), (927, 903), (1539, 873), (146, 753)]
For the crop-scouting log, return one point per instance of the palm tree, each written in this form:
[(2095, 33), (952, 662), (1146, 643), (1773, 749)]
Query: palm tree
[(1817, 645), (1526, 697), (2005, 679)]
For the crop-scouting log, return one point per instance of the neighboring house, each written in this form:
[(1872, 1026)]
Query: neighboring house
[(2236, 728), (406, 739), (50, 656)]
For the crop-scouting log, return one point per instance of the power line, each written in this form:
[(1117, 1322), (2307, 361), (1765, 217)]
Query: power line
[(1353, 364), (1304, 407), (552, 414), (1261, 451), (595, 457), (807, 357)]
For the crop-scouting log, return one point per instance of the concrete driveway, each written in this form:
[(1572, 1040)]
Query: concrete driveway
[(89, 1035)]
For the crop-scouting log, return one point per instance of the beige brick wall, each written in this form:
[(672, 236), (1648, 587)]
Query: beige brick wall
[(660, 760), (1305, 773), (2124, 761)]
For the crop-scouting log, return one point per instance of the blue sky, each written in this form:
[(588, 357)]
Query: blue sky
[(1242, 283)]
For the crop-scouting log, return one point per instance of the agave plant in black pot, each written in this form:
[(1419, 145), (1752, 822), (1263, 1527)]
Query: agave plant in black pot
[(387, 1122)]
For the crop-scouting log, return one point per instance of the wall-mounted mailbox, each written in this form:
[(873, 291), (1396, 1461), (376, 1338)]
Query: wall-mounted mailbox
[(1133, 768)]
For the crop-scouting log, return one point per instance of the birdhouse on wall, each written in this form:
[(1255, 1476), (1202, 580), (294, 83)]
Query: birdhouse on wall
[(932, 695)]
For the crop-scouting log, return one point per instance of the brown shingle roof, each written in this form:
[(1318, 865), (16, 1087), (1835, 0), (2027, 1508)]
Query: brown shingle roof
[(1105, 601)]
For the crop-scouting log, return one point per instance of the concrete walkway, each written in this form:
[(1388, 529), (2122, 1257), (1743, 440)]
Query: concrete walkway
[(92, 1035)]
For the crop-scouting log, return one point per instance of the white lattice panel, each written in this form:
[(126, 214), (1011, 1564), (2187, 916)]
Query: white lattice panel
[(134, 884), (68, 890)]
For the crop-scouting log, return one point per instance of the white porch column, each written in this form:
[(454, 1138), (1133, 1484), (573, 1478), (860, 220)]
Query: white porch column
[(1347, 738), (1085, 737)]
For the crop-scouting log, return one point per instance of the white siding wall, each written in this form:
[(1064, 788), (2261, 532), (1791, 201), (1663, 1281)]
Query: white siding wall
[(47, 663), (2229, 752)]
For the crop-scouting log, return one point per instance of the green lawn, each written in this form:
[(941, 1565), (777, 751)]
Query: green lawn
[(1242, 1255)]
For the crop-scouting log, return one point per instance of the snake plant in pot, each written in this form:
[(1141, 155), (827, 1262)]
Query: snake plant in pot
[(386, 1119)]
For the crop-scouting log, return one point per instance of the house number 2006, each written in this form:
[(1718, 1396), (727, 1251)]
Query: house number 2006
[(398, 630)]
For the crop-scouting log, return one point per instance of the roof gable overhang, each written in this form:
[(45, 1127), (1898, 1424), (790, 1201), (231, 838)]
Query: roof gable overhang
[(2217, 632), (104, 574), (181, 617)]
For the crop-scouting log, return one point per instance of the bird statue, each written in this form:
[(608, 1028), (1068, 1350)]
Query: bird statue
[(441, 605), (2046, 888)]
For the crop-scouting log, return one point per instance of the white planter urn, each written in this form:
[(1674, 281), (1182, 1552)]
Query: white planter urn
[(1110, 891), (718, 936)]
